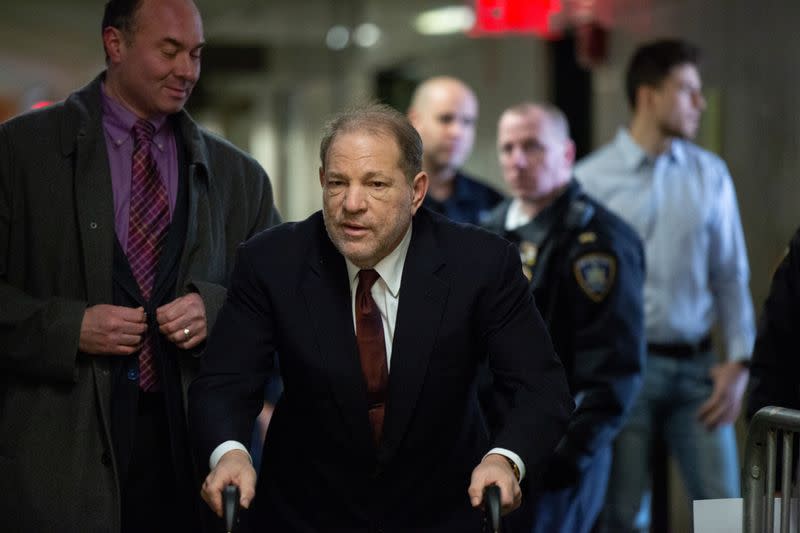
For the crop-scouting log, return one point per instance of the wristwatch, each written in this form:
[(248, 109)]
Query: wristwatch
[(514, 467)]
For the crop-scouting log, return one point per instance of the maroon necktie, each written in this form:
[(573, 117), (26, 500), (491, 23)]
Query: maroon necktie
[(371, 350), (149, 221)]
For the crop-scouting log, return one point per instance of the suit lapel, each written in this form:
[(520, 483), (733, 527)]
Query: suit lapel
[(423, 296), (327, 296), (95, 209)]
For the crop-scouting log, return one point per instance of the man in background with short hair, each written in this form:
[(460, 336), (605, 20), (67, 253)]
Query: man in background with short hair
[(444, 110), (680, 199)]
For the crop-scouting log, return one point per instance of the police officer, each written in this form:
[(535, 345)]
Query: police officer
[(586, 270)]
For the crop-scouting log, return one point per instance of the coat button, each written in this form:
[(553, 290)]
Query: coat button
[(105, 459), (133, 374), (93, 225)]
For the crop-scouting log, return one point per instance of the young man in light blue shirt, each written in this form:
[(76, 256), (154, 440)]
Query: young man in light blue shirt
[(681, 200)]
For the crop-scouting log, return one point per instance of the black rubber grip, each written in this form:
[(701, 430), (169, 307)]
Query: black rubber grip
[(491, 500), (230, 506)]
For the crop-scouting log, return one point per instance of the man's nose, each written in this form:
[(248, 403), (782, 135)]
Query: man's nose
[(456, 128), (187, 67), (700, 101), (519, 158), (355, 199)]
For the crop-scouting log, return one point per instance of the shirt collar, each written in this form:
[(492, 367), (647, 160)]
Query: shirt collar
[(390, 268), (515, 216), (635, 157), (632, 154), (119, 120), (545, 219), (677, 150)]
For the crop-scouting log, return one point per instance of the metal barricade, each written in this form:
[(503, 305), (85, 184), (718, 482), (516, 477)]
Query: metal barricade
[(760, 466)]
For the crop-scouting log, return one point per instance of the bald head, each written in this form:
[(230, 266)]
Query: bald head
[(444, 111), (434, 88), (154, 57)]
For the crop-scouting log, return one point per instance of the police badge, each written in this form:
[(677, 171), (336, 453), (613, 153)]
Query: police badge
[(528, 252)]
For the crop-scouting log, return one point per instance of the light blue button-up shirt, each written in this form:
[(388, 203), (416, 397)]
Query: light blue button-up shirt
[(683, 205)]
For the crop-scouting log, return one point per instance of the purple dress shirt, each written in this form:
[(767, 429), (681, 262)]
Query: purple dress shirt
[(117, 124)]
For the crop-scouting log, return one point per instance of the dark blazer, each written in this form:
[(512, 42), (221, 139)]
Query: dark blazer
[(775, 366), (471, 201), (57, 465), (320, 469)]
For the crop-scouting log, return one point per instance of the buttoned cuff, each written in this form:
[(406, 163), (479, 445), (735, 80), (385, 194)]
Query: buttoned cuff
[(224, 448), (739, 349), (511, 455)]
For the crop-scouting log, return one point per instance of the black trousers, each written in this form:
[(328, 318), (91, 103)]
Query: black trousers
[(150, 498)]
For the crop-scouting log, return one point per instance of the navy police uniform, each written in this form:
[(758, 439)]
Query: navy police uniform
[(470, 202), (586, 271)]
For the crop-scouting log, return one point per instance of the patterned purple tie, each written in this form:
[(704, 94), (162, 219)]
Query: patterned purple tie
[(371, 350), (149, 222)]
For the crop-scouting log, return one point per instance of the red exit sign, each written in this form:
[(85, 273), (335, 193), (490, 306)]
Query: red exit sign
[(514, 16)]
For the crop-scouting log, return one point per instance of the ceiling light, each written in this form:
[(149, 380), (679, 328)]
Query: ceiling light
[(445, 20), (366, 34), (337, 38)]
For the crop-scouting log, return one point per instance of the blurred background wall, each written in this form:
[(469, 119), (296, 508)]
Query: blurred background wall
[(275, 70)]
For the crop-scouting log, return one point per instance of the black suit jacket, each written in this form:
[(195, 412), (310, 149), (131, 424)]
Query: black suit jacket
[(462, 296), (775, 365)]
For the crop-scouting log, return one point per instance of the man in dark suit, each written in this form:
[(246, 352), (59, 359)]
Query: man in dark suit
[(119, 218), (381, 312)]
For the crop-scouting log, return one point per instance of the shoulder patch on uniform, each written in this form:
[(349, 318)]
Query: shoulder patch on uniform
[(595, 274), (586, 237)]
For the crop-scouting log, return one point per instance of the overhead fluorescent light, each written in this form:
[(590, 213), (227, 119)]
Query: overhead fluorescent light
[(445, 20)]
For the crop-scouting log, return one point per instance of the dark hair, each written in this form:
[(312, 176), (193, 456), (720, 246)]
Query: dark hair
[(378, 119), (652, 63), (120, 14)]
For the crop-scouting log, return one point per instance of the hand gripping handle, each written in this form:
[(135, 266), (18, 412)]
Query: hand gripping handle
[(491, 501), (230, 506)]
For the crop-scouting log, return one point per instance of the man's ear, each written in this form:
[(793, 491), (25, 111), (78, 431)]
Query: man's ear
[(413, 117), (114, 44), (419, 186), (569, 152), (644, 97), (321, 177)]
